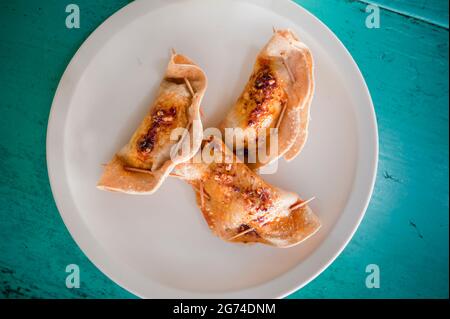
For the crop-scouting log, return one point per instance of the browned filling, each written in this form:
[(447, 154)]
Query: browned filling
[(261, 93), (256, 200), (232, 193), (160, 119)]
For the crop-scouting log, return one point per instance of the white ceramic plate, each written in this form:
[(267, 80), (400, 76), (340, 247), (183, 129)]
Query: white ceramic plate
[(159, 246)]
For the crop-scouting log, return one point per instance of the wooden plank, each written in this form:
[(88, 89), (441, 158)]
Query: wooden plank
[(405, 230), (35, 246)]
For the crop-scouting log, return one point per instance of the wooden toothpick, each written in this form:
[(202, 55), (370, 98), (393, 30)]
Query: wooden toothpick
[(189, 86), (197, 189), (138, 170), (202, 197), (291, 75), (296, 206), (280, 117), (301, 204), (242, 233), (176, 175)]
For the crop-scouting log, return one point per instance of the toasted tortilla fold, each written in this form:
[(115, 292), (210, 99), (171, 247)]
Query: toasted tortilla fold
[(142, 165), (304, 113), (240, 207), (290, 67)]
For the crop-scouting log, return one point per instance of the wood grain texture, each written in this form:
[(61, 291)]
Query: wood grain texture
[(35, 246), (405, 230)]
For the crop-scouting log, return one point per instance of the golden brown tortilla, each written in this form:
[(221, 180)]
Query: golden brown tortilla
[(239, 206), (144, 163), (281, 85)]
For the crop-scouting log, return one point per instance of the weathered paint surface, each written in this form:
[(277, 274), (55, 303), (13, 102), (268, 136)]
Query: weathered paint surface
[(405, 231)]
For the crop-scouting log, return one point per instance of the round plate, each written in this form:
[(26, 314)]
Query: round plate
[(159, 246)]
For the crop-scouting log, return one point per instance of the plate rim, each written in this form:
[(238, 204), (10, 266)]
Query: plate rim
[(59, 110)]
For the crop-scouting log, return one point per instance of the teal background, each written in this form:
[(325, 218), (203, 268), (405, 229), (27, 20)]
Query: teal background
[(405, 230)]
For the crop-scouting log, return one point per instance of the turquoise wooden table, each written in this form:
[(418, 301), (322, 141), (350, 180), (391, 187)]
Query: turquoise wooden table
[(405, 230)]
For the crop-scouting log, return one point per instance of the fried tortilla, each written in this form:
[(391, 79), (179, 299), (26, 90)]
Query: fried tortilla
[(145, 162), (277, 96), (239, 206)]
